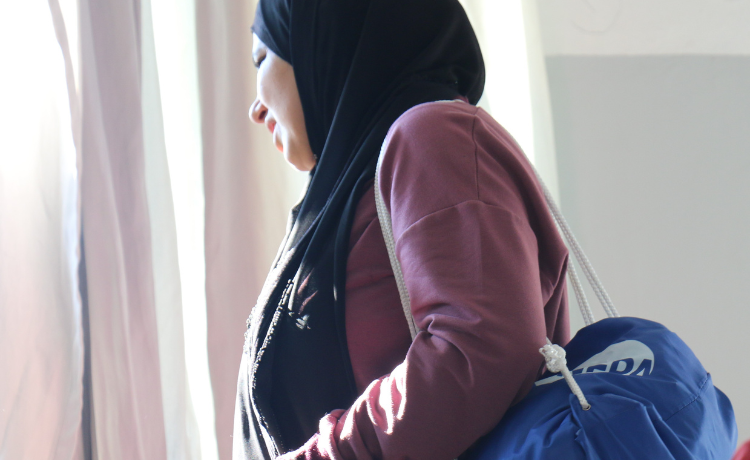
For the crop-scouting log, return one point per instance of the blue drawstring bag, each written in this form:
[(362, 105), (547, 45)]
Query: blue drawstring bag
[(636, 391), (649, 396)]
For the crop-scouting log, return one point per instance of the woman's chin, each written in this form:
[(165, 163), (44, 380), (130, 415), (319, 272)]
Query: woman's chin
[(299, 162), (302, 167)]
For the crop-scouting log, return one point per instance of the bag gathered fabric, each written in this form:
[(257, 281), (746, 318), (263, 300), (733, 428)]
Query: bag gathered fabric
[(650, 398)]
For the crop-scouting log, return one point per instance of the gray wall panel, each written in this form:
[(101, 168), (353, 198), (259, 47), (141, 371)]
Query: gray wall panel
[(654, 159)]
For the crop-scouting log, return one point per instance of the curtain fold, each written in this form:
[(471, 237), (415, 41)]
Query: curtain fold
[(41, 347), (173, 27), (231, 277), (182, 435), (127, 409), (142, 405)]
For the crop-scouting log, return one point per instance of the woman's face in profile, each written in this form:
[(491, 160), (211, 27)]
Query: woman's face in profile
[(278, 106)]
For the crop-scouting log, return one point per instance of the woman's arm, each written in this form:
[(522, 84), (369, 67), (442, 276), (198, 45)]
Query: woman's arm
[(470, 260)]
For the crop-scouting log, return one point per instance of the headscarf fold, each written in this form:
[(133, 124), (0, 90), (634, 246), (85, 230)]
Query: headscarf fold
[(359, 65)]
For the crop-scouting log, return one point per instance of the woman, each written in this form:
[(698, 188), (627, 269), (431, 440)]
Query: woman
[(329, 369)]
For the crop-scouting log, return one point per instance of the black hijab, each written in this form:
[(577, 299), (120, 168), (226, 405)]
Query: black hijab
[(359, 65)]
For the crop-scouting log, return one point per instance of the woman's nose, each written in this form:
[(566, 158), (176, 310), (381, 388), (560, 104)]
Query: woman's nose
[(258, 112)]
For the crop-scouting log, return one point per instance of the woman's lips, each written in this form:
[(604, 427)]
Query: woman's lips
[(275, 136), (271, 125)]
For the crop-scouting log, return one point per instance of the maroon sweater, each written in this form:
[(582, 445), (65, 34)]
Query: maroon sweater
[(485, 269)]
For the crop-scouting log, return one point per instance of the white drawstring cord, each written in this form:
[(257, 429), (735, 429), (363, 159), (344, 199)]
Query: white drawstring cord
[(583, 304), (554, 355), (578, 253), (386, 226)]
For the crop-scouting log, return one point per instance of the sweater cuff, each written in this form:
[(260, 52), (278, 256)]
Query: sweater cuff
[(322, 446)]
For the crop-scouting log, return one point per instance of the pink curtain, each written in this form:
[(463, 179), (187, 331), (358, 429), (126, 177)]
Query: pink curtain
[(93, 166), (141, 403), (41, 341), (127, 409)]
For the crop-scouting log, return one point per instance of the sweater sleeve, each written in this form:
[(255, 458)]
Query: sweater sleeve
[(471, 266)]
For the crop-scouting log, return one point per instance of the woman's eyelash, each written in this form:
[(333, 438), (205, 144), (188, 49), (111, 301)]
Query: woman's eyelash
[(258, 62)]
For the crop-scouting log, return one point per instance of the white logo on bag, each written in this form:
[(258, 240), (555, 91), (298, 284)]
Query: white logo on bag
[(630, 357)]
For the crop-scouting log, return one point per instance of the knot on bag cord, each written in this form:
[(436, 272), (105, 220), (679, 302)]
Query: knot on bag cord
[(554, 356)]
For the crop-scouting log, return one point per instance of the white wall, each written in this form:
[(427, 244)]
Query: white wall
[(651, 108), (645, 27)]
